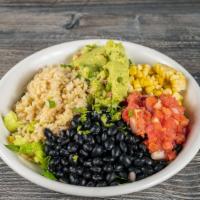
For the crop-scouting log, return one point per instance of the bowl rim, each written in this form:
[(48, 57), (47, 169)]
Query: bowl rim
[(153, 180)]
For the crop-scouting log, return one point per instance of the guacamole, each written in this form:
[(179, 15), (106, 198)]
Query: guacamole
[(107, 70)]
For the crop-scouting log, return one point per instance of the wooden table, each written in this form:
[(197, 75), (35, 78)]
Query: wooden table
[(172, 27)]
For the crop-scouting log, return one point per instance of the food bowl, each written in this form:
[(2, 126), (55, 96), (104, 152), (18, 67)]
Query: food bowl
[(10, 90)]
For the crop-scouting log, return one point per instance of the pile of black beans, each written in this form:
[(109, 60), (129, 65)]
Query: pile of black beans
[(92, 153)]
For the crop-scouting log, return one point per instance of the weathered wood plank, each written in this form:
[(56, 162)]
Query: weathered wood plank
[(172, 27)]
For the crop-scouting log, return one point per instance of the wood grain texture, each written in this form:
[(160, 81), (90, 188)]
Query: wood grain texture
[(172, 27)]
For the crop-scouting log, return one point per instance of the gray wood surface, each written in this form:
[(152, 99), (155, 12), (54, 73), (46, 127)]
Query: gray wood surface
[(172, 27)]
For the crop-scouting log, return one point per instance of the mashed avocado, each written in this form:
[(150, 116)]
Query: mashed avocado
[(107, 70)]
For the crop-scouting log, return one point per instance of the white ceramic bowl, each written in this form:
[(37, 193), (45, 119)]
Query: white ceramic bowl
[(11, 86)]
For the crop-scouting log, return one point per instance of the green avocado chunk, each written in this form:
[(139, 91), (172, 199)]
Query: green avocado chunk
[(11, 122), (107, 69)]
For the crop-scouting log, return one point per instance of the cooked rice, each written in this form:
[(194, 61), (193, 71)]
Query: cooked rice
[(52, 83)]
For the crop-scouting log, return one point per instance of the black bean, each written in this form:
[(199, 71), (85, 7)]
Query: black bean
[(120, 124), (72, 160), (63, 134), (97, 161), (108, 159), (95, 129), (114, 183), (64, 162), (139, 154), (95, 169), (123, 174), (47, 150), (134, 169), (79, 170), (87, 163), (110, 177), (101, 184), (126, 161), (83, 182), (148, 161), (112, 130), (119, 168), (64, 152), (73, 179), (97, 151), (98, 139), (120, 136), (139, 162), (83, 153), (135, 147), (87, 175), (65, 141), (87, 147), (59, 173), (72, 169), (104, 137), (149, 170), (108, 168), (48, 133), (116, 152), (72, 147), (142, 147), (129, 139), (71, 133), (158, 167), (97, 177), (90, 184), (109, 144), (48, 143), (178, 148), (123, 146), (140, 176), (65, 170), (53, 153), (87, 124)]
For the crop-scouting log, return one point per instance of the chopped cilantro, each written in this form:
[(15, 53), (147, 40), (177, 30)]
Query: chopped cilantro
[(130, 113), (83, 117), (119, 79), (51, 103), (108, 87), (66, 65), (13, 147), (78, 76), (79, 110), (75, 158), (116, 116)]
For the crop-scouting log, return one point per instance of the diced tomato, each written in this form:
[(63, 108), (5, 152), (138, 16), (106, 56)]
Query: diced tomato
[(160, 119), (171, 155), (150, 102)]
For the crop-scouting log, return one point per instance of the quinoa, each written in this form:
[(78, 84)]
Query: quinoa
[(56, 85)]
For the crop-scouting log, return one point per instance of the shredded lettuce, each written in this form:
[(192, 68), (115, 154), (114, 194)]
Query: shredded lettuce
[(48, 174), (51, 103), (33, 150)]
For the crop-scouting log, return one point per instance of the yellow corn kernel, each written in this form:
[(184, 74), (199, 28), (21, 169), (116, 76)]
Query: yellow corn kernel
[(167, 91), (136, 83), (133, 70), (146, 69), (10, 139), (158, 92), (178, 97), (149, 89), (139, 74), (140, 67)]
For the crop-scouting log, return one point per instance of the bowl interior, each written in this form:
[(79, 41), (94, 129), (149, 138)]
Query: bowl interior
[(12, 86)]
